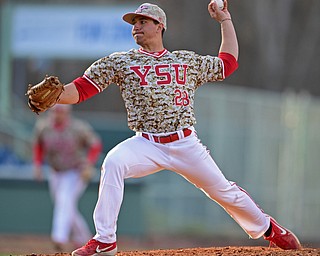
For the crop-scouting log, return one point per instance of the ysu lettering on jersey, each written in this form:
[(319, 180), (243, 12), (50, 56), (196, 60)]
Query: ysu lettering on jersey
[(164, 77), (161, 71)]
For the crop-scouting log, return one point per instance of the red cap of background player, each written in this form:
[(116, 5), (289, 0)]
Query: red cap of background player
[(151, 11)]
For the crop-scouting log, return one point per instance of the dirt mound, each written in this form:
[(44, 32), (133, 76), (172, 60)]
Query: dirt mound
[(214, 251)]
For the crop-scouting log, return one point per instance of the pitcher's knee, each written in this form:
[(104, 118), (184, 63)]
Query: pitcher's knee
[(113, 167)]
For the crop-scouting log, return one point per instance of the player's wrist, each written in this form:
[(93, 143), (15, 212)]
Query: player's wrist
[(225, 19)]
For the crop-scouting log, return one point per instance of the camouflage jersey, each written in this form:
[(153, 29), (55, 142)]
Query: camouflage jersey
[(158, 90)]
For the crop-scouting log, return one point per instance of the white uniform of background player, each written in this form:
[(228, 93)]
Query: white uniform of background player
[(71, 148), (158, 88)]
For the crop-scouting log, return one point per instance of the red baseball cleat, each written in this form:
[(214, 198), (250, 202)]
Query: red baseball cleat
[(282, 237), (96, 248)]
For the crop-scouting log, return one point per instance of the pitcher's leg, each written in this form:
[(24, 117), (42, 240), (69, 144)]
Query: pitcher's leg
[(197, 166), (131, 158), (109, 202), (240, 207)]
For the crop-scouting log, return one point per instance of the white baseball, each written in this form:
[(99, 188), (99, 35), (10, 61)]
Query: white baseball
[(220, 3)]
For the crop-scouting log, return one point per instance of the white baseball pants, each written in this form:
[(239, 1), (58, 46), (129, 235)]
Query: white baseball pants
[(138, 157)]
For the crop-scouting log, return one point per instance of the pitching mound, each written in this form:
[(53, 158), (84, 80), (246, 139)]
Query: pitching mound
[(215, 251)]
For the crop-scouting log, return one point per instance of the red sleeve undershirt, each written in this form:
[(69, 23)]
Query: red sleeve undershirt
[(229, 62), (85, 89)]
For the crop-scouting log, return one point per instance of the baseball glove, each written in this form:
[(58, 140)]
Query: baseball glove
[(45, 94)]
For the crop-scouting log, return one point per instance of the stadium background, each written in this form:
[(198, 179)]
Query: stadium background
[(261, 124)]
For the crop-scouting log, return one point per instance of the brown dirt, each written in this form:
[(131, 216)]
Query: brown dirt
[(217, 251), (35, 245)]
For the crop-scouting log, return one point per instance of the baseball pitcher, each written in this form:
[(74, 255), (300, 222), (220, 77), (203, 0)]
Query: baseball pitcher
[(158, 88)]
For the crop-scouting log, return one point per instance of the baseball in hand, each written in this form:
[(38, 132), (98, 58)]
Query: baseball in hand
[(220, 3)]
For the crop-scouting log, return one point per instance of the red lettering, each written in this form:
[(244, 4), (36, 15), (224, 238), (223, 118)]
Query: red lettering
[(185, 98), (177, 98), (181, 98), (165, 74), (141, 75), (176, 69)]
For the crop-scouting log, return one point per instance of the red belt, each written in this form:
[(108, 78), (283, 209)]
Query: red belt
[(169, 138)]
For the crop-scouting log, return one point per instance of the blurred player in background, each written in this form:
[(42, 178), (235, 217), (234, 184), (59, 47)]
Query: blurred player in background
[(71, 149)]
